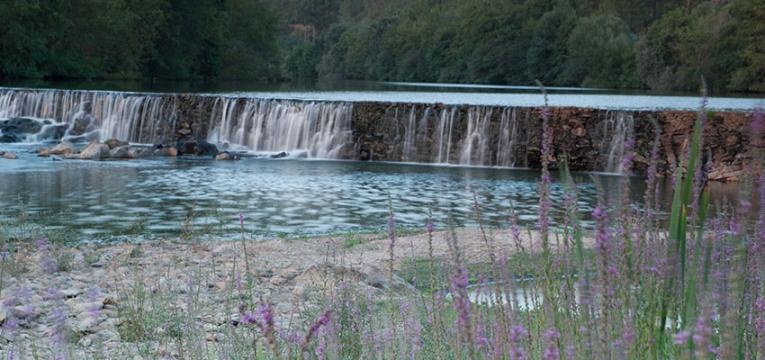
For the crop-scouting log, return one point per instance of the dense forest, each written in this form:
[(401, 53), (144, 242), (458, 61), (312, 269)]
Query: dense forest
[(604, 43)]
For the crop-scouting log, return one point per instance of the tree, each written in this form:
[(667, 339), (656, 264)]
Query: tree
[(547, 52), (600, 53)]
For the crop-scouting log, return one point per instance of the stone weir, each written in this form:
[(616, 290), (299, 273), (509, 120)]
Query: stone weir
[(590, 139)]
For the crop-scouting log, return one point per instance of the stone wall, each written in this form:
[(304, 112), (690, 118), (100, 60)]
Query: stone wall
[(379, 132), (384, 131)]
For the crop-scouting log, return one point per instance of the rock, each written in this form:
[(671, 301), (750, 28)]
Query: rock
[(9, 138), (120, 152), (10, 156), (579, 132), (43, 152), (63, 148), (166, 151), (279, 155), (81, 124), (21, 126), (138, 152), (185, 132), (204, 148), (186, 146), (114, 143), (95, 151), (86, 138), (226, 156), (327, 276), (28, 311), (52, 132)]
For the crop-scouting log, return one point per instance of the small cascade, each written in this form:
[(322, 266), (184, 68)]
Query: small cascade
[(618, 128), (512, 147), (316, 129), (475, 146), (409, 152), (92, 115), (443, 135)]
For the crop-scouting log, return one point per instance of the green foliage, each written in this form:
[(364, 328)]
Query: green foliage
[(600, 53), (612, 43), (720, 41), (137, 39)]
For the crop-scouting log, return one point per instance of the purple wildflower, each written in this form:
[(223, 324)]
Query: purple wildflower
[(459, 283), (248, 317), (701, 335), (681, 338), (265, 317), (551, 351), (517, 333), (47, 263), (313, 330), (321, 321), (629, 155), (391, 244)]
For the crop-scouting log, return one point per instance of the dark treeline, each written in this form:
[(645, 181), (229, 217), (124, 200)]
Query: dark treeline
[(605, 43), (177, 39)]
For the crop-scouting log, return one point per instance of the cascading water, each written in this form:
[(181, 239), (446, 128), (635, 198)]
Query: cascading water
[(409, 152), (92, 115), (617, 128), (475, 146), (443, 135), (315, 129)]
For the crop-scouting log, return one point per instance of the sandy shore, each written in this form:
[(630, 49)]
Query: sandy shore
[(96, 288)]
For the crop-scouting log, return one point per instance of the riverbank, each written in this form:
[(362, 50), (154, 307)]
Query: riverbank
[(124, 300)]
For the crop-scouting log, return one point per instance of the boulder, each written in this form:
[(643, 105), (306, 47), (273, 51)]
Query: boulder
[(81, 124), (10, 156), (10, 138), (186, 147), (121, 152), (52, 132), (139, 152), (86, 138), (226, 156), (279, 155), (21, 126), (204, 148), (114, 143), (43, 152), (95, 151), (63, 148), (166, 151)]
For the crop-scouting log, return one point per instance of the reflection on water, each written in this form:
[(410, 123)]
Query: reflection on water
[(172, 197)]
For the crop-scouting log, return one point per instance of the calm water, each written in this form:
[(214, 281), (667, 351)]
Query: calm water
[(146, 199), (171, 197)]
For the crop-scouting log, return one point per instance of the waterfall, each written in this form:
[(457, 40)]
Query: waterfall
[(315, 129), (617, 128), (475, 146), (409, 152), (474, 135), (443, 135), (94, 115)]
